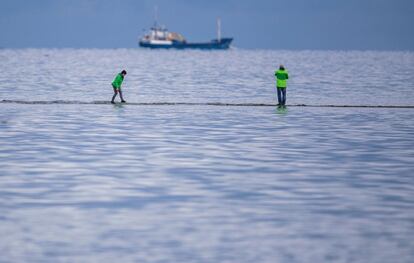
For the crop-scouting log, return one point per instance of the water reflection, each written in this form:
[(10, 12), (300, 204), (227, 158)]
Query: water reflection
[(184, 183), (282, 109), (199, 183)]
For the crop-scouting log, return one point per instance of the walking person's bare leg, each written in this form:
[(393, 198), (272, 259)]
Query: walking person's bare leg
[(120, 94), (113, 97)]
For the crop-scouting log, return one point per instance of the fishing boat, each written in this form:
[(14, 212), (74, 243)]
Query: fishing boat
[(160, 37)]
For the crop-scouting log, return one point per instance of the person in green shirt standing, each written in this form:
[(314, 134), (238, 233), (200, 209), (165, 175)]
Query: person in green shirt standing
[(116, 84), (281, 78)]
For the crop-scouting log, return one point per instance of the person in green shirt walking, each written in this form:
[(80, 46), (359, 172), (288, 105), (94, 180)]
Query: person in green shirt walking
[(116, 85), (281, 82)]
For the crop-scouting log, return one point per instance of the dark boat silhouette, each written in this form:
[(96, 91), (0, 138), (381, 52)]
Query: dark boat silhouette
[(160, 38)]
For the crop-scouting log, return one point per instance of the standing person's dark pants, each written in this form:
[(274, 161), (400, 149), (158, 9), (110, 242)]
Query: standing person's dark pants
[(116, 91), (281, 96)]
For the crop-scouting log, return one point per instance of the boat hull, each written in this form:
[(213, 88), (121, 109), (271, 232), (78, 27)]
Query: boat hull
[(224, 43)]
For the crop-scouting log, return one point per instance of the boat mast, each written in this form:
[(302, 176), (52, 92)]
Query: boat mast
[(218, 29), (155, 16)]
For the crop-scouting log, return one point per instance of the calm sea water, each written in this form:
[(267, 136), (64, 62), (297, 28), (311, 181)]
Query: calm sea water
[(200, 183)]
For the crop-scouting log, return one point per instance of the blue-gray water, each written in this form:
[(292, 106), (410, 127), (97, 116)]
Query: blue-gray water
[(199, 183)]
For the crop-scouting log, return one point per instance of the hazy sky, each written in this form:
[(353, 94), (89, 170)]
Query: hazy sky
[(270, 24)]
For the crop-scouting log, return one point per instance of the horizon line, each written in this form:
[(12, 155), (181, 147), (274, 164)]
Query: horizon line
[(195, 50)]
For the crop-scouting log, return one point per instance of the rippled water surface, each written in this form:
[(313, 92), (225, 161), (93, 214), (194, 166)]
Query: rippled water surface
[(205, 183)]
